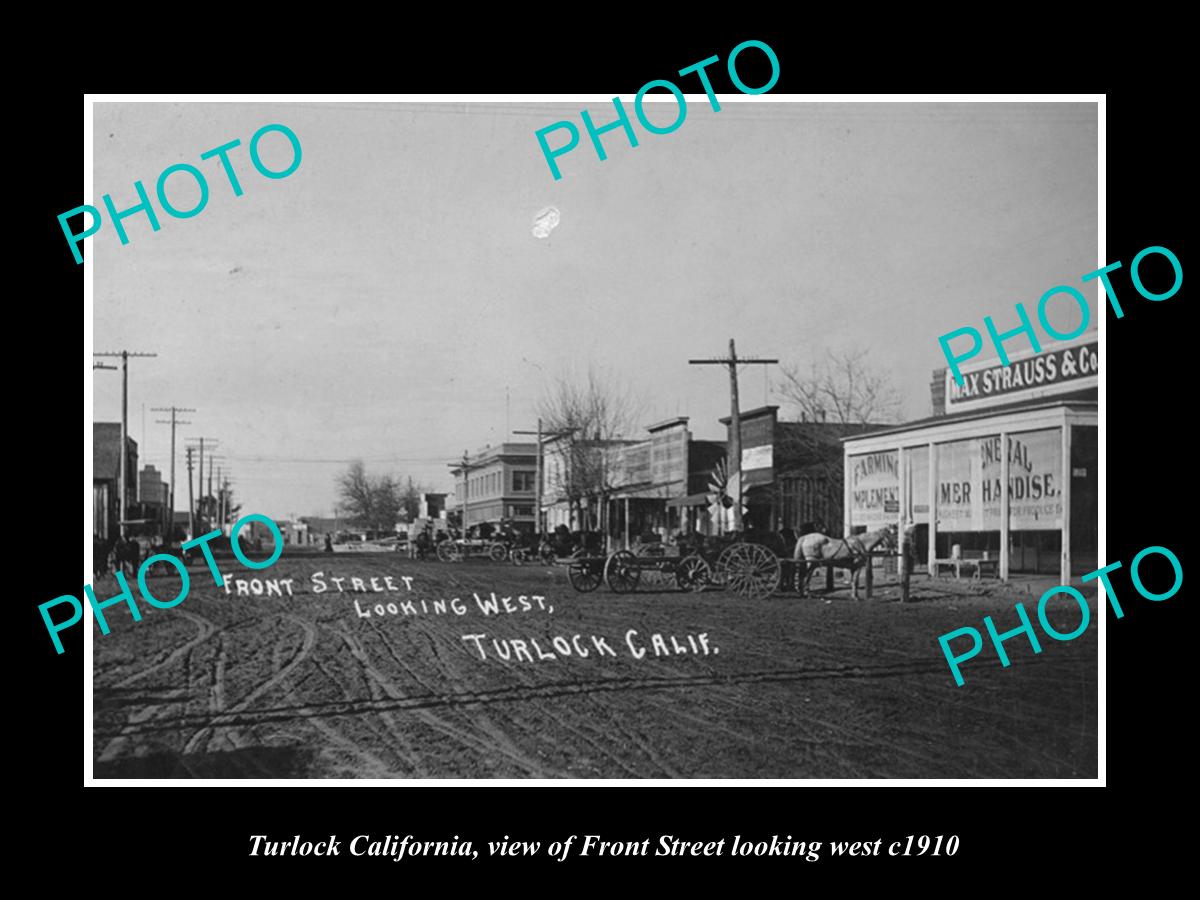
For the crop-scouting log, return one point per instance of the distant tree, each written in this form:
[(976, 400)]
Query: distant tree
[(410, 499), (372, 502)]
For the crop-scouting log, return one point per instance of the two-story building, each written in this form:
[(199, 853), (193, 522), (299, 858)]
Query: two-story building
[(498, 483)]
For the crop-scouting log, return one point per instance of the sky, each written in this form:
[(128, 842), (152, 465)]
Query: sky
[(389, 300)]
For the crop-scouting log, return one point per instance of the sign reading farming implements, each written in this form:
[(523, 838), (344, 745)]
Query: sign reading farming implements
[(874, 488)]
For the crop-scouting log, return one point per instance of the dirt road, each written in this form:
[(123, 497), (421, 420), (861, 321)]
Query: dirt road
[(304, 680)]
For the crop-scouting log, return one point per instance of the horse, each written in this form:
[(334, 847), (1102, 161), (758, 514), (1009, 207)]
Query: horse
[(126, 551), (844, 553), (101, 550)]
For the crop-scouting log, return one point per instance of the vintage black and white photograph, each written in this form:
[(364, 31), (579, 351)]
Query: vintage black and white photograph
[(656, 469)]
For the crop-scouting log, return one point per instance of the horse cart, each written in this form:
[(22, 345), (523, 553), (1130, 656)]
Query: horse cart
[(750, 569), (753, 567), (458, 549)]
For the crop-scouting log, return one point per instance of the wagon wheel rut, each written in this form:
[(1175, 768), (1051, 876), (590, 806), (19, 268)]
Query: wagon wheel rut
[(205, 629), (280, 673)]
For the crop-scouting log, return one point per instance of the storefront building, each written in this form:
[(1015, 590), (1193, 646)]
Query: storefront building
[(663, 484), (655, 485), (791, 474), (498, 483), (1031, 425)]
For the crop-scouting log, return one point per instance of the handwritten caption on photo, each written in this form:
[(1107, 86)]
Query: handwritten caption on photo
[(481, 645)]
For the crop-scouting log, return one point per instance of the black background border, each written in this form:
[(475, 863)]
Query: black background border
[(159, 829)]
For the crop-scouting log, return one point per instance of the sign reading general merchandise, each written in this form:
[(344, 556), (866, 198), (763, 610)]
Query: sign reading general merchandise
[(1071, 367), (968, 496)]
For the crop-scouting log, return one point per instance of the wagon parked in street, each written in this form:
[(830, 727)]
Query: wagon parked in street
[(752, 569)]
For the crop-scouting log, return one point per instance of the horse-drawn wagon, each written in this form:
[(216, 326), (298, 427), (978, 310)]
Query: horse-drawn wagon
[(752, 569), (750, 566), (458, 549)]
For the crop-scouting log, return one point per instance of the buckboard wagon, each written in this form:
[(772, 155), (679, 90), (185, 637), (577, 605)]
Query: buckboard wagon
[(749, 569), (458, 549), (752, 570)]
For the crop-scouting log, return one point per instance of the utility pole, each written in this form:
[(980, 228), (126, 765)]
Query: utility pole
[(100, 365), (465, 471), (122, 486), (537, 519), (221, 510), (735, 422), (173, 410), (225, 502), (191, 501), (214, 462), (200, 478)]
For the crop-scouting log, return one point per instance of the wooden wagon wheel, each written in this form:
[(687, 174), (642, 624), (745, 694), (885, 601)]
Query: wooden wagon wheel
[(449, 551), (621, 572), (751, 570), (497, 551), (720, 569), (693, 573), (585, 575)]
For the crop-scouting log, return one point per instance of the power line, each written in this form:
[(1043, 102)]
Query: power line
[(200, 480), (731, 362), (173, 422)]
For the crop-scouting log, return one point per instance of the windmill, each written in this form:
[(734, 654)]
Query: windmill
[(722, 488)]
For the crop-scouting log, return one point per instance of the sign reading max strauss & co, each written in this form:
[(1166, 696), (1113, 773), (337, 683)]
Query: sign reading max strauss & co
[(1056, 370)]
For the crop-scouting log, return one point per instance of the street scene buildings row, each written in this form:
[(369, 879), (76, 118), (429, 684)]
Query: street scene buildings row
[(940, 475)]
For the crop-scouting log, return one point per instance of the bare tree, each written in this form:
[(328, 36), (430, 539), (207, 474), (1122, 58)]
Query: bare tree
[(843, 388), (371, 501), (592, 413), (839, 395)]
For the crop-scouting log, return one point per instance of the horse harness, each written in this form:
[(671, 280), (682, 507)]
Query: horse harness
[(856, 552)]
